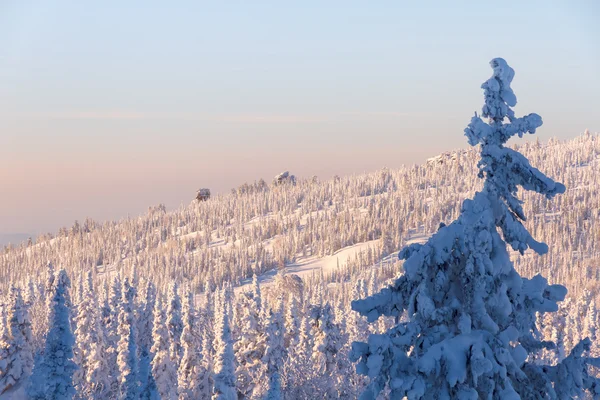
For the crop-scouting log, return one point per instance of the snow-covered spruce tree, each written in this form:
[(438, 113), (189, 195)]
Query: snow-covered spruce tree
[(190, 373), (327, 344), (301, 358), (224, 381), (111, 326), (164, 371), (92, 379), (292, 323), (292, 364), (49, 284), (16, 361), (174, 322), (471, 317), (205, 380), (52, 378), (127, 357), (275, 353), (145, 328), (249, 347)]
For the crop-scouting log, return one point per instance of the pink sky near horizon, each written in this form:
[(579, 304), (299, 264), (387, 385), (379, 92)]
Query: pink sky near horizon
[(55, 181), (107, 108)]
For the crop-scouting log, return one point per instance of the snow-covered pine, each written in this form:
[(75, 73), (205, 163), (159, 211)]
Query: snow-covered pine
[(224, 380), (292, 323), (164, 370), (92, 379), (257, 296), (471, 315), (16, 353), (49, 284), (206, 323), (205, 380), (174, 322), (110, 318), (327, 344), (275, 354), (358, 326), (250, 345), (145, 325), (345, 379), (127, 355), (30, 292), (52, 377), (190, 374)]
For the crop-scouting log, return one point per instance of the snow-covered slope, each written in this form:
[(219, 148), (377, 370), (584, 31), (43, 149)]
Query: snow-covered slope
[(304, 226)]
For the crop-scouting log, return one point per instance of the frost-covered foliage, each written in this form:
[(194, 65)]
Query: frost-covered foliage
[(52, 377), (191, 372), (250, 346), (275, 353), (327, 342), (16, 353), (164, 370), (471, 316), (92, 379), (145, 323), (224, 367), (127, 356), (174, 323)]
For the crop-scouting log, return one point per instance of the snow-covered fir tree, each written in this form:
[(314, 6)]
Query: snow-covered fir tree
[(145, 338), (92, 379), (16, 352), (127, 355), (275, 354), (250, 345), (327, 344), (224, 380), (174, 322), (191, 374), (52, 377), (471, 315), (164, 370)]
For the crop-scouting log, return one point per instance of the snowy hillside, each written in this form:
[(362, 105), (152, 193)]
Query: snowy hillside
[(185, 276), (258, 227)]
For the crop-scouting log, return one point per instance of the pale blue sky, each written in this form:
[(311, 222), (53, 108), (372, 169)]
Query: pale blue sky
[(108, 107)]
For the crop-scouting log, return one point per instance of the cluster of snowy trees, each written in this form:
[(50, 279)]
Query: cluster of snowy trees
[(169, 305), (288, 339), (131, 340)]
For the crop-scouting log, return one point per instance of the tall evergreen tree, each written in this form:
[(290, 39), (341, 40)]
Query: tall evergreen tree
[(127, 357), (275, 353), (52, 378), (174, 323), (249, 347), (164, 371), (292, 323), (327, 345), (224, 381), (471, 315), (110, 318), (16, 359), (92, 379), (190, 372), (145, 339)]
